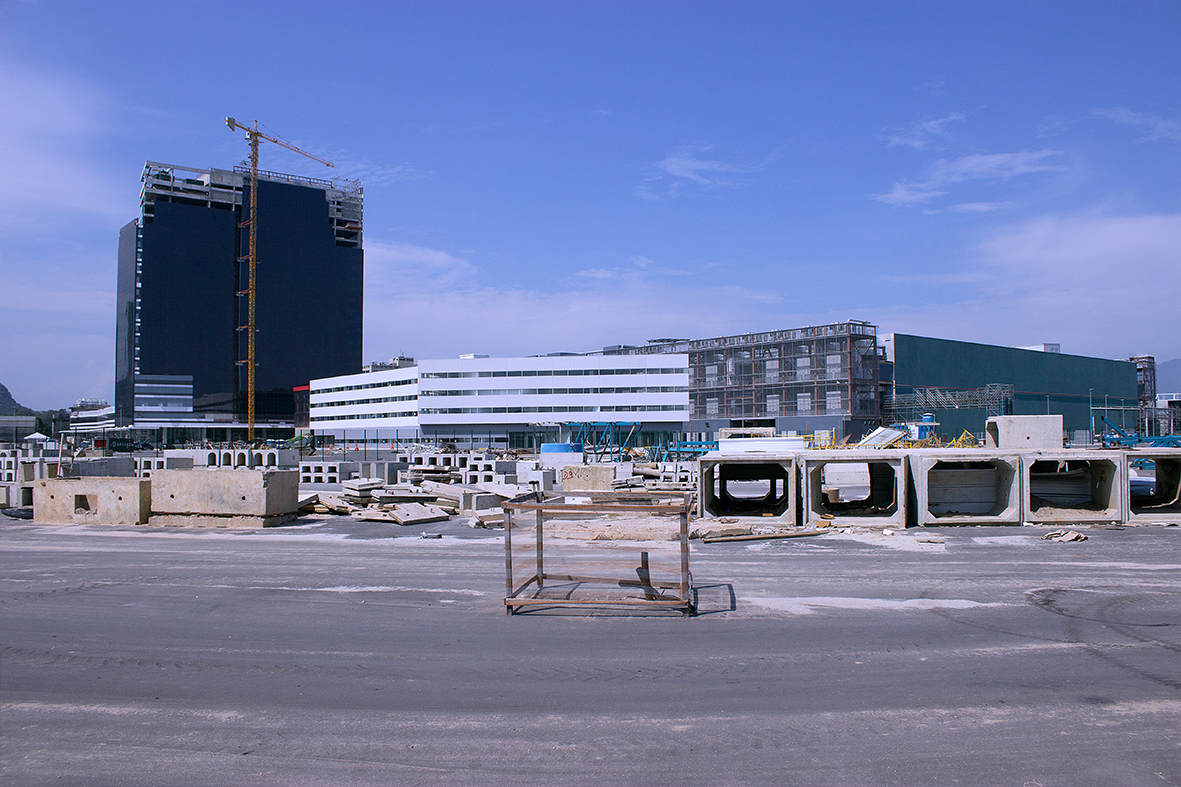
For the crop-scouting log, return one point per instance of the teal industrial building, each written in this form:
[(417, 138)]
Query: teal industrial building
[(1024, 382)]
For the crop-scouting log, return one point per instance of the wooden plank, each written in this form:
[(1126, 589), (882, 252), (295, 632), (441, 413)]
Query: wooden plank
[(764, 536)]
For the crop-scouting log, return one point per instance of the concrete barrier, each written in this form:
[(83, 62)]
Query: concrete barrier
[(885, 504), (1073, 486), (587, 478), (1163, 506), (254, 497), (762, 485), (93, 500), (965, 487)]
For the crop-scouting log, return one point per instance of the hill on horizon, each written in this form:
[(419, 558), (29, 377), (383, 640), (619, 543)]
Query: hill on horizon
[(9, 406), (1168, 376)]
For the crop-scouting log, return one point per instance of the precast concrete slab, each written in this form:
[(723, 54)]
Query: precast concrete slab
[(587, 478), (1021, 432), (1163, 506), (92, 500), (1073, 486), (965, 487), (249, 493), (749, 484), (885, 504)]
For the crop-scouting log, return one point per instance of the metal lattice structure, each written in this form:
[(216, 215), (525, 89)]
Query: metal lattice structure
[(995, 398)]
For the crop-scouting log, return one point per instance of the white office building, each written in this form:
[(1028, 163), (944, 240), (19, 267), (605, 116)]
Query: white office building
[(504, 402)]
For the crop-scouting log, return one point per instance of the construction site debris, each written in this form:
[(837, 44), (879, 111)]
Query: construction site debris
[(1064, 535), (762, 536)]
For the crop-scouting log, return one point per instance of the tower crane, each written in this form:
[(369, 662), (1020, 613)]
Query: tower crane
[(253, 137)]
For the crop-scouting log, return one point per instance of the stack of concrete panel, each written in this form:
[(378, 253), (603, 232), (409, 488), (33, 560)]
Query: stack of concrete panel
[(965, 487), (246, 498), (92, 500), (1074, 486), (885, 505), (1163, 506), (749, 484)]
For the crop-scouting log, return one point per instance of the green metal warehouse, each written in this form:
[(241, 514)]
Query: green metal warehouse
[(1041, 382)]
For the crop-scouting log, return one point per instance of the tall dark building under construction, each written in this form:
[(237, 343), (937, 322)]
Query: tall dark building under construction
[(180, 344)]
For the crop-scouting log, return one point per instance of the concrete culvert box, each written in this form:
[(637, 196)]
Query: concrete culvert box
[(92, 500), (1155, 498), (855, 488), (763, 485), (1073, 486), (973, 487)]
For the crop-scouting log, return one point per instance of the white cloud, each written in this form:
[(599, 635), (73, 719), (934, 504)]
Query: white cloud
[(46, 128), (685, 164), (990, 167), (427, 303), (1156, 127), (1099, 285), (599, 273), (922, 133), (414, 269)]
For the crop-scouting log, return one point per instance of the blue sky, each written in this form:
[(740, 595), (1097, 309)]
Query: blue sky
[(562, 175)]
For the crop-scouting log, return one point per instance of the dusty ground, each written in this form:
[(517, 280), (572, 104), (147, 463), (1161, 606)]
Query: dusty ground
[(343, 652)]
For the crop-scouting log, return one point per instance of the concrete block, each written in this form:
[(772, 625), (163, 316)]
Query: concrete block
[(559, 459), (587, 478), (93, 500), (884, 504), (1073, 486), (1023, 432), (965, 487), (544, 478), (251, 493), (1163, 506), (748, 484), (108, 466)]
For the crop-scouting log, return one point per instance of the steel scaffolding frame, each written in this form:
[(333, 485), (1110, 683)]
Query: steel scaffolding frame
[(995, 398)]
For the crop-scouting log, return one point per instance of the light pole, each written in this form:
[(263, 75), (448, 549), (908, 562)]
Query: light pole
[(1091, 410)]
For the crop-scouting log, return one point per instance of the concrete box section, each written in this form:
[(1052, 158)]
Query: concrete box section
[(587, 478), (1163, 506), (1022, 432), (883, 506), (965, 487), (249, 493), (1073, 486), (92, 500), (762, 485)]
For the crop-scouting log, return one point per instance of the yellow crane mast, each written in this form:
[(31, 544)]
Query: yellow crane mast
[(253, 137)]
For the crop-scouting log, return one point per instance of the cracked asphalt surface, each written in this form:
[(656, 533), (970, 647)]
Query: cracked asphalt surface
[(336, 653)]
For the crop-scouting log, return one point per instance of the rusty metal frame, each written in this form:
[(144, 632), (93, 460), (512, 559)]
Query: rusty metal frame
[(519, 596)]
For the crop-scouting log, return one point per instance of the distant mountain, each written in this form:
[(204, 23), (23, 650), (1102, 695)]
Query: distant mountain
[(9, 406), (1168, 376)]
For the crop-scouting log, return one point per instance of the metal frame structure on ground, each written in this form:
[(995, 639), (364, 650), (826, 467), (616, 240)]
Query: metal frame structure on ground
[(529, 584)]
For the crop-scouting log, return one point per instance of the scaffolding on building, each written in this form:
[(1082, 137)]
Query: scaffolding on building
[(995, 398)]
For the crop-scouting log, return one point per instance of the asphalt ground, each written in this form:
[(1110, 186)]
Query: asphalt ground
[(335, 653)]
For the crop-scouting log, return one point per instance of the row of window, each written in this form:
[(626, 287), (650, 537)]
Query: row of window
[(636, 408), (343, 403), (552, 391), (550, 373), (385, 384), (362, 416)]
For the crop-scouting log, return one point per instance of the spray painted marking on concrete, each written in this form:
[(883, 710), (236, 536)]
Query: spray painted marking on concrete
[(806, 605)]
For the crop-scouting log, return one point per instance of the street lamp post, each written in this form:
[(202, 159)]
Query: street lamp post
[(1091, 410)]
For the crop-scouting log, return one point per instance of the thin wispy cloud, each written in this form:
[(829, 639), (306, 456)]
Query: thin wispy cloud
[(922, 134), (641, 266), (988, 167), (1156, 127), (689, 166)]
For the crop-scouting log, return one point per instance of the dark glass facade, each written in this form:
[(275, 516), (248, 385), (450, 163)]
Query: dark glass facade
[(180, 311)]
